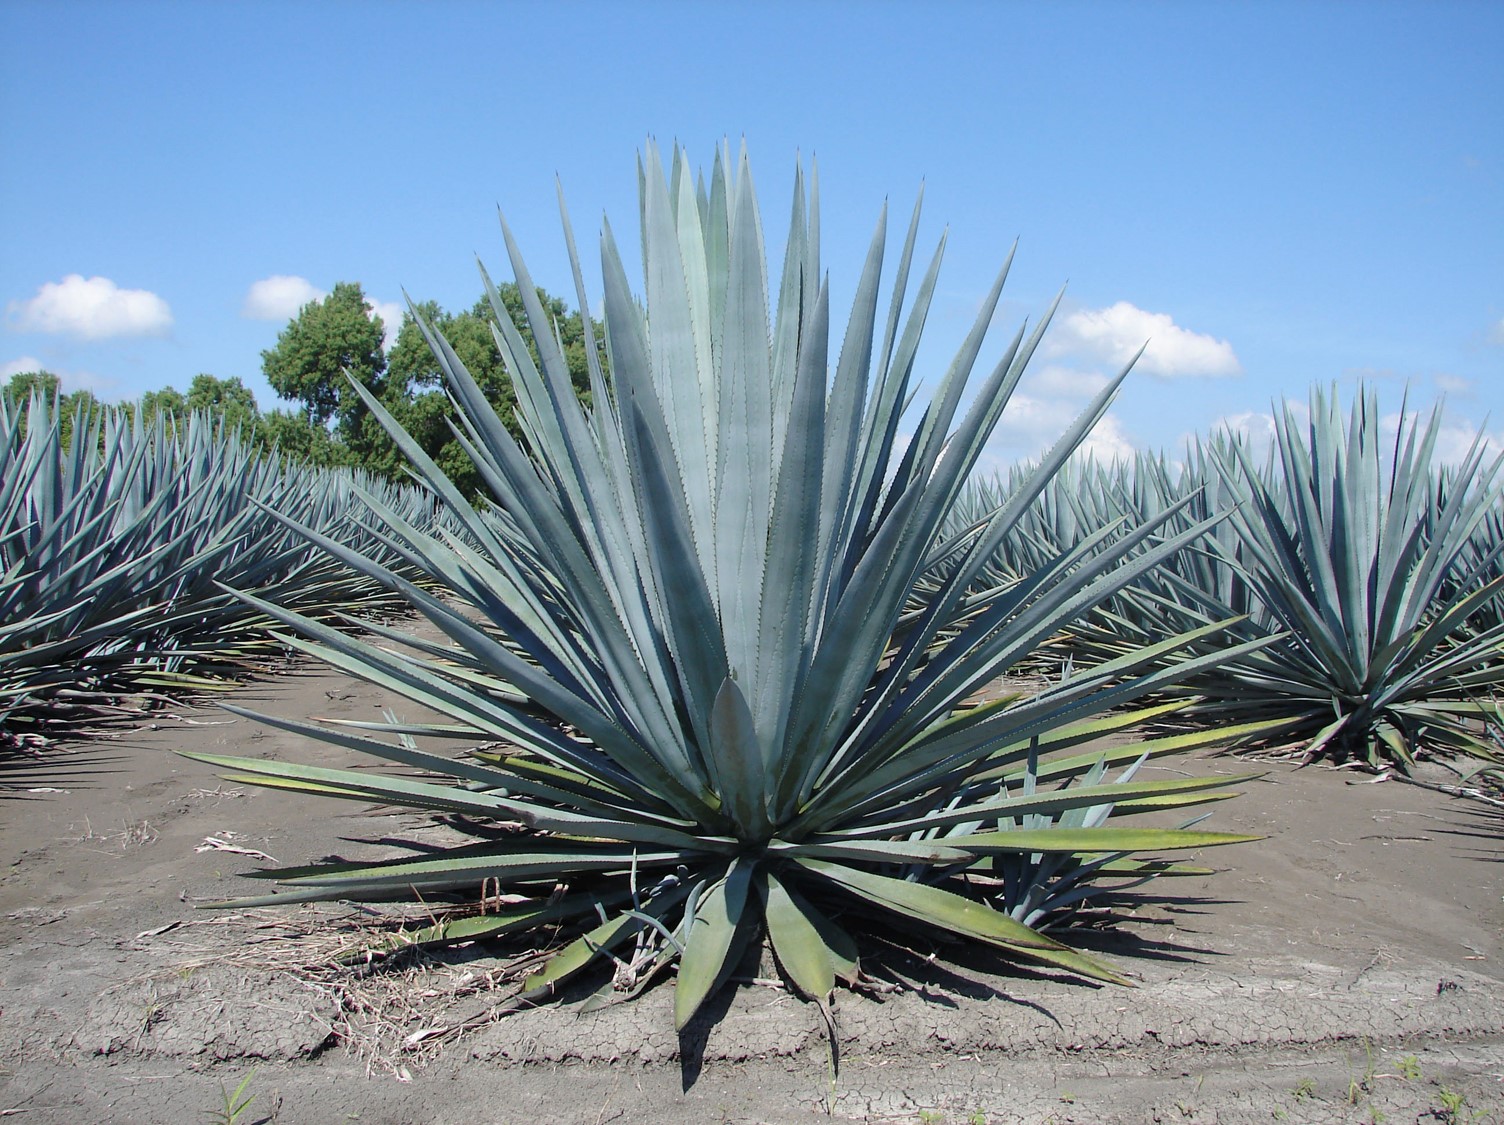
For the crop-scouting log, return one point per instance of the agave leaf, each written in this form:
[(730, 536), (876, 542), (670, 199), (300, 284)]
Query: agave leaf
[(1049, 802), (375, 787), (740, 760), (1089, 840), (711, 943), (578, 955), (479, 927), (874, 851), (797, 943), (937, 907)]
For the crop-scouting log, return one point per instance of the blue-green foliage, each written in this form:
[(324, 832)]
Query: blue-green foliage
[(117, 536)]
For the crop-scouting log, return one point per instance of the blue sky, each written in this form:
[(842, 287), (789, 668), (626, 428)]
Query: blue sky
[(1277, 194)]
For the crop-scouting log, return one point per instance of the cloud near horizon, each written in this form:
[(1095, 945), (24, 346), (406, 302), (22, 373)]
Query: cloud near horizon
[(1032, 422), (282, 296), (23, 365), (279, 297), (1112, 335), (69, 380), (92, 308), (390, 313), (1055, 380), (1453, 385), (1256, 427), (1454, 436)]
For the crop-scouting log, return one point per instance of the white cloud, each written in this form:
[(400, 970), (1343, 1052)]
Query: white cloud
[(17, 366), (1057, 381), (279, 297), (282, 297), (390, 313), (1454, 438), (1453, 385), (69, 380), (1034, 423), (1030, 425), (1114, 334), (1255, 427), (91, 308), (1108, 441)]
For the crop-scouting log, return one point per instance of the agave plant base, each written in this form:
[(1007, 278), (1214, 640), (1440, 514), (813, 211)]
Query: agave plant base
[(629, 915)]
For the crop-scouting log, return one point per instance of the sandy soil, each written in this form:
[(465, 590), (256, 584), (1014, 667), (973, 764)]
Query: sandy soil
[(1349, 969)]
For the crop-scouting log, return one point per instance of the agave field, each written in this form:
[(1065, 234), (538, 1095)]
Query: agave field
[(719, 635), (1374, 571), (116, 548)]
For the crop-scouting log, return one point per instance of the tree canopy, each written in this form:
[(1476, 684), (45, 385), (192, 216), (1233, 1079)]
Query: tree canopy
[(23, 385), (315, 350), (415, 391), (328, 340)]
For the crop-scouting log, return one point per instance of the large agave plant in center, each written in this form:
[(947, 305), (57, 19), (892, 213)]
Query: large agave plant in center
[(715, 627)]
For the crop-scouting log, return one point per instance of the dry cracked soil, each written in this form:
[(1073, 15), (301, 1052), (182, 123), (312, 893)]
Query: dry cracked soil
[(1349, 968)]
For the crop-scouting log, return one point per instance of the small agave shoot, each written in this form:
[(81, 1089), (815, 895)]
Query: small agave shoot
[(709, 619)]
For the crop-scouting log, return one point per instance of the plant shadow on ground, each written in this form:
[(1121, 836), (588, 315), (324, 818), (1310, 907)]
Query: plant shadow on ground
[(30, 776), (945, 971), (1130, 933), (1478, 834)]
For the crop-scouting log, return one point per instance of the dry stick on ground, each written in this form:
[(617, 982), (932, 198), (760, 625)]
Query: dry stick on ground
[(1466, 791), (388, 1012)]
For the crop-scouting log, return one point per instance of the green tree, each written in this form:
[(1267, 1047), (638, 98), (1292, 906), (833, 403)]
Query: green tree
[(337, 335), (314, 353), (291, 434), (70, 407), (24, 384), (168, 402), (230, 399), (415, 391), (78, 408)]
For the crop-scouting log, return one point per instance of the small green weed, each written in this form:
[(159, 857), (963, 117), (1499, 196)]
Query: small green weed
[(1357, 1087), (1305, 1088), (235, 1103), (1408, 1068), (1455, 1110)]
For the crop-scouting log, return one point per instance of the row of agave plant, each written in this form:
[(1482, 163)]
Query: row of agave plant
[(727, 635), (1376, 572), (116, 547)]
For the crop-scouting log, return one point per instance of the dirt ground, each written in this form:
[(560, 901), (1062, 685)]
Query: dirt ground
[(1348, 969)]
